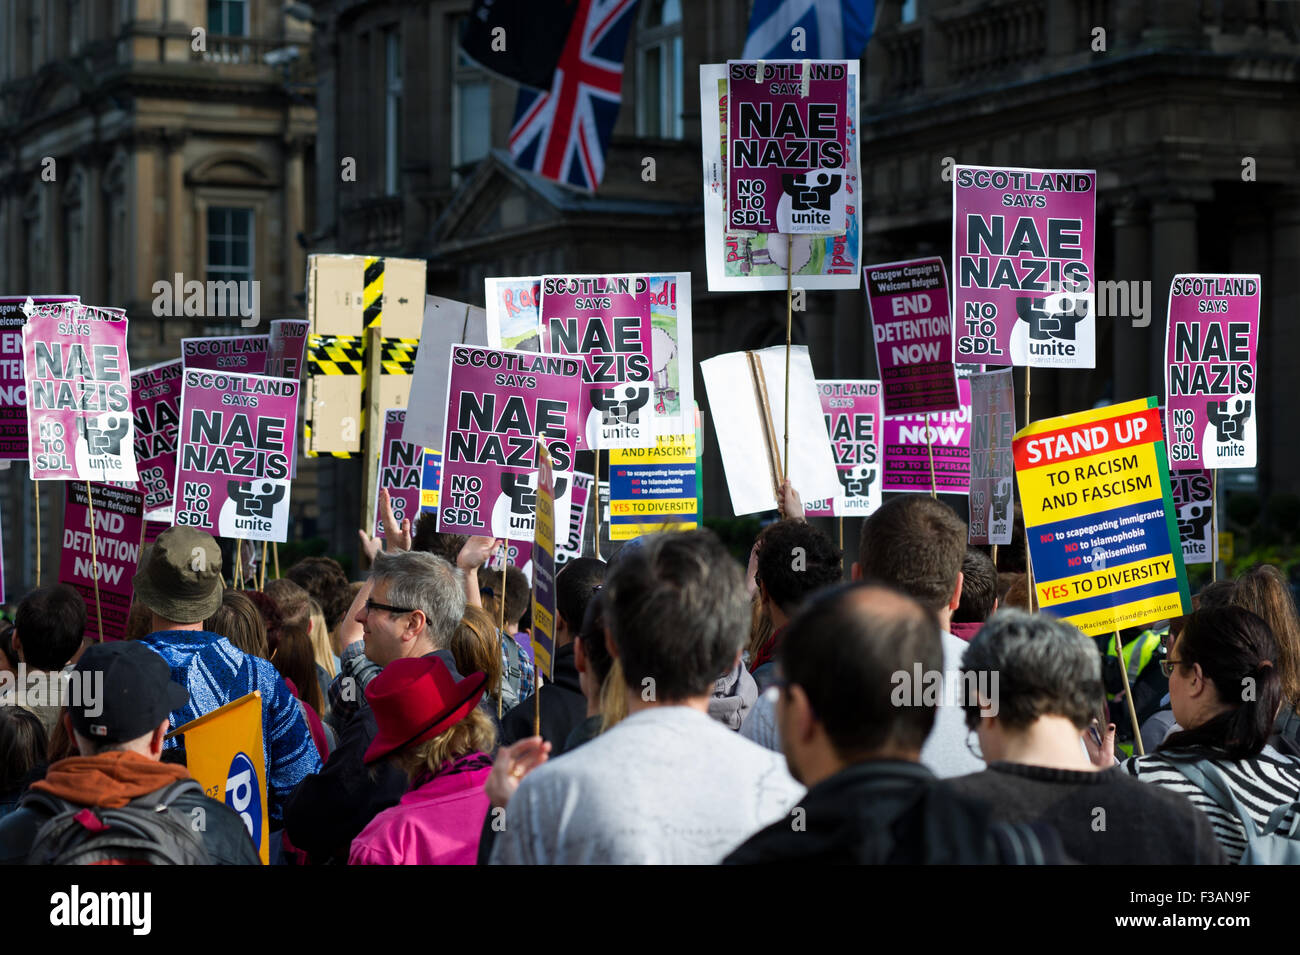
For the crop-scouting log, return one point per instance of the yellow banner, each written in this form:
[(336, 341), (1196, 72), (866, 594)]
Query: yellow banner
[(1089, 485), (669, 449), (223, 750), (1067, 589)]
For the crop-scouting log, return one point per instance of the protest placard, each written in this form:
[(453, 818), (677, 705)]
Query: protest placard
[(13, 383), (430, 480), (446, 323), (750, 399), (992, 468), (78, 373), (1210, 370), (286, 348), (1023, 265), (1194, 503), (543, 579), (930, 452), (912, 329), (1099, 515), (746, 260), (498, 403), (514, 312), (398, 471), (787, 125), (156, 407), (237, 440), (224, 752), (854, 421), (241, 354), (513, 553), (653, 489), (119, 521), (605, 321), (570, 548)]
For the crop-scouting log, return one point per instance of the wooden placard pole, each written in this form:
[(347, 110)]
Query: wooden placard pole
[(769, 429), (1128, 696), (94, 562)]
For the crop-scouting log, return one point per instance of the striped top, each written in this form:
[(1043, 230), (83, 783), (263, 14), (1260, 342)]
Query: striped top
[(1261, 783)]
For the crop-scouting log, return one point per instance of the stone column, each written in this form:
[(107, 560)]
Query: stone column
[(1278, 343), (294, 263)]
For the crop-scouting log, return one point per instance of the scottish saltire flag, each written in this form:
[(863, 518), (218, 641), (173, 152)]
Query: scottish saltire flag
[(562, 134), (833, 29)]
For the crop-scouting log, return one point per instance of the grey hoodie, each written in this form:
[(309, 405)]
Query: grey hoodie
[(733, 695)]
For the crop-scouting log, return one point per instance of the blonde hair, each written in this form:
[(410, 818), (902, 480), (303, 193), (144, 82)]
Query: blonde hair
[(475, 645), (613, 697), (476, 733), (760, 627), (321, 644)]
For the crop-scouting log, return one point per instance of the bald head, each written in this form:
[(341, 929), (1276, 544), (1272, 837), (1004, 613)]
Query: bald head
[(845, 650)]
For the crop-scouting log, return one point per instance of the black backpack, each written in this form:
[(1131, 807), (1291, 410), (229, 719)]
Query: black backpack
[(146, 831)]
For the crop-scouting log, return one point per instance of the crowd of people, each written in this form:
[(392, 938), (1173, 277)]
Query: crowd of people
[(695, 711)]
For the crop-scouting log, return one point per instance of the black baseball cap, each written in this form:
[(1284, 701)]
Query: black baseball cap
[(133, 694)]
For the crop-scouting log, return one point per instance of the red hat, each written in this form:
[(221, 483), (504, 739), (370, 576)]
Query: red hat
[(415, 699)]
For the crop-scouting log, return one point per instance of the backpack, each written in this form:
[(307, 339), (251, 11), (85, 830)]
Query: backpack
[(1270, 845), (143, 832)]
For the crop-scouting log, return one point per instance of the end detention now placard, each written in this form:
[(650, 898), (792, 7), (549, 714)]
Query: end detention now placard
[(1099, 514)]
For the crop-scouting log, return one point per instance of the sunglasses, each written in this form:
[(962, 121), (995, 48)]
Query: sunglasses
[(372, 606)]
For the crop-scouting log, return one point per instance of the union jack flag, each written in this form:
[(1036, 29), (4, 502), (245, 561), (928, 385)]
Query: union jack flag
[(562, 133)]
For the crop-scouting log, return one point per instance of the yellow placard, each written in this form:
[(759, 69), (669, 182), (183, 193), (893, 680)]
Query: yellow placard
[(223, 750)]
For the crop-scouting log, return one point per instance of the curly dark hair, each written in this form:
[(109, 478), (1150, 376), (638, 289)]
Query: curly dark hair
[(795, 560), (324, 579)]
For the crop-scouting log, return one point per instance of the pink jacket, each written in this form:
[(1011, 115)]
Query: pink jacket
[(436, 824)]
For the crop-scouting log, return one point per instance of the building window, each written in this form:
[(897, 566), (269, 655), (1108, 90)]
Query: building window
[(230, 244), (471, 135), (228, 17), (392, 112), (659, 70), (909, 11)]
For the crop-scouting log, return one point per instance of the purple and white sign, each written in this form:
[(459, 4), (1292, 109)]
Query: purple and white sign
[(788, 146), (156, 407), (992, 467), (570, 546), (912, 442), (240, 354), (1023, 266), (79, 423), (286, 348), (499, 403), (13, 383), (1211, 343), (399, 472), (605, 320), (854, 422), (912, 328), (1194, 504), (119, 524), (236, 444), (517, 554)]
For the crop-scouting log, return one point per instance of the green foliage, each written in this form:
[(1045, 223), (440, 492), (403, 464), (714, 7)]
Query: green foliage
[(737, 533), (295, 550)]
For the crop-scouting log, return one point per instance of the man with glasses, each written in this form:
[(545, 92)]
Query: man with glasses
[(409, 607)]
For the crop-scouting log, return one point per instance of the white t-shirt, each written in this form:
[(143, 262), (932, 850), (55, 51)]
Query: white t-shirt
[(945, 752), (667, 785)]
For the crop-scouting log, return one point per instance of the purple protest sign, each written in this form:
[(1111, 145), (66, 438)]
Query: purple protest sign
[(498, 404), (912, 328), (605, 320), (13, 384), (992, 467), (286, 348), (236, 443), (570, 548), (788, 146), (1023, 266), (854, 421), (912, 440), (1210, 352), (79, 423), (399, 472), (156, 407), (517, 554), (119, 523), (239, 354), (1194, 504)]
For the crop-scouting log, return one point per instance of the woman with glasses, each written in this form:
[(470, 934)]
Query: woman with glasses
[(1225, 688)]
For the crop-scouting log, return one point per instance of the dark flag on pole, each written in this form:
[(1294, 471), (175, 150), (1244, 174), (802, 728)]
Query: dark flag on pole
[(519, 40)]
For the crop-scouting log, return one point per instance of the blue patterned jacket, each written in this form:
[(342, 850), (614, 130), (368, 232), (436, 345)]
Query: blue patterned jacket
[(216, 672)]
